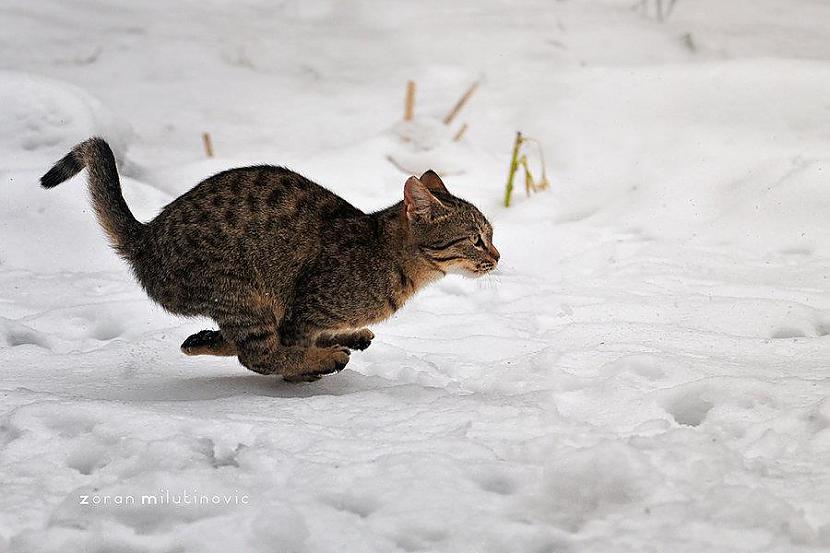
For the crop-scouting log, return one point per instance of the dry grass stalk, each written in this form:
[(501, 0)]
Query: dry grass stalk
[(514, 164), (460, 134), (409, 106), (460, 104), (519, 159), (207, 143)]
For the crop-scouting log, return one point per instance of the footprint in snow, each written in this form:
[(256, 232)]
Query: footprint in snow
[(420, 538), (823, 328), (690, 408), (100, 323), (87, 458), (360, 506), (498, 485), (15, 334), (786, 333)]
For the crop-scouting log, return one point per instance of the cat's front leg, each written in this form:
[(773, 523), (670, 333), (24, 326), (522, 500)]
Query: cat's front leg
[(316, 362), (294, 363), (259, 348), (305, 321), (355, 339), (266, 355)]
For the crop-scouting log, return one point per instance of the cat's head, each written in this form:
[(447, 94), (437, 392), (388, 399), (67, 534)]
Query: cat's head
[(448, 231)]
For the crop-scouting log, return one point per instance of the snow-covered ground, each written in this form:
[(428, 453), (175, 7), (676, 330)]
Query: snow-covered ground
[(648, 371)]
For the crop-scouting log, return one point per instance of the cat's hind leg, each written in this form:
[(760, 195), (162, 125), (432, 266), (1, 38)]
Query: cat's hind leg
[(208, 342), (355, 339)]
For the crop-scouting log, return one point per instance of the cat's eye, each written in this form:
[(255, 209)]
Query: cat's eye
[(478, 241)]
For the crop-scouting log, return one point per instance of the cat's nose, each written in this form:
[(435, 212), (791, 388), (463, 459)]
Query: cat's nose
[(494, 253)]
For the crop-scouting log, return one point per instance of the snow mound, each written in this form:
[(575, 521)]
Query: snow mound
[(42, 118)]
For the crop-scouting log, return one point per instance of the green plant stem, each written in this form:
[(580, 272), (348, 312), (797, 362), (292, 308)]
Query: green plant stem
[(514, 165)]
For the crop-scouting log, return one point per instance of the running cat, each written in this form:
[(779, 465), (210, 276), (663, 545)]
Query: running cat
[(290, 272)]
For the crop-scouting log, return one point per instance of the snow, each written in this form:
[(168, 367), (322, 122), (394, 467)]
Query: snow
[(647, 371)]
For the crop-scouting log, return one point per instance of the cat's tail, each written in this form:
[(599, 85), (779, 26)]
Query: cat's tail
[(122, 228)]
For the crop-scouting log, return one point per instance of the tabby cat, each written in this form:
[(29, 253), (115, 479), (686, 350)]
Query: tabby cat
[(290, 272)]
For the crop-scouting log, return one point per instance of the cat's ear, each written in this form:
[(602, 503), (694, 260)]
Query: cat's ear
[(432, 181), (419, 201)]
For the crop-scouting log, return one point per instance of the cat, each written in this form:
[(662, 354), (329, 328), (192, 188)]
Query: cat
[(290, 272)]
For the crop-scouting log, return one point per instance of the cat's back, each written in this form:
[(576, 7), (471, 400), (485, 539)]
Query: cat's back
[(251, 218), (249, 200)]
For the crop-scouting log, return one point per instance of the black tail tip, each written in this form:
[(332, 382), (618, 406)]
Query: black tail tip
[(63, 170)]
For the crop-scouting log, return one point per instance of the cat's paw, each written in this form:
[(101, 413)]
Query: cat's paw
[(320, 362), (361, 339), (208, 342), (333, 360), (202, 342)]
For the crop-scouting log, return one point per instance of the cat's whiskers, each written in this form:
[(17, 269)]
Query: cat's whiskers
[(489, 280)]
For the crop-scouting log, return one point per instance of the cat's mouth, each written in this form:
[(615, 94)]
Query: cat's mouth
[(485, 267), (469, 273)]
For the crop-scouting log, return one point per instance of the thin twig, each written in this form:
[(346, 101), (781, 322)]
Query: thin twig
[(460, 103), (460, 133), (409, 106), (544, 183), (207, 143), (397, 165)]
